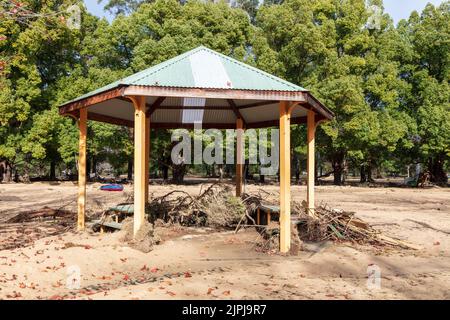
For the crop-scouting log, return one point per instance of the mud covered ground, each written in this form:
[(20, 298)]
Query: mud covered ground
[(206, 264)]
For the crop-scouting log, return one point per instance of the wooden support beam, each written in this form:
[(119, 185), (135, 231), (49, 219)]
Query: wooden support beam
[(239, 155), (111, 120), (257, 104), (236, 111), (139, 162), (311, 161), (220, 108), (152, 108), (147, 158), (214, 93), (101, 97), (82, 125), (285, 178)]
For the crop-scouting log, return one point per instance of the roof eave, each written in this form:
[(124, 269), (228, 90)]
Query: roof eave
[(302, 97)]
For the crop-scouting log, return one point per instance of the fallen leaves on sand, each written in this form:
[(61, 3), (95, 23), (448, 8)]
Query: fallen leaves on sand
[(14, 295), (210, 290), (226, 293), (187, 274)]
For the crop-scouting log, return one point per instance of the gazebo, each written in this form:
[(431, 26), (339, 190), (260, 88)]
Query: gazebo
[(204, 86)]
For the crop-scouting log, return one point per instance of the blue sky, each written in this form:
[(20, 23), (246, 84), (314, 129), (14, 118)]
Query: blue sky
[(398, 9)]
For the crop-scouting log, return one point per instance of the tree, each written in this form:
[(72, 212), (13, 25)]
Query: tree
[(37, 49), (427, 71), (118, 7), (329, 47)]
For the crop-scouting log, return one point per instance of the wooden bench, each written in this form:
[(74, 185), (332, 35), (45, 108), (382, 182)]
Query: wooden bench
[(264, 214), (108, 225)]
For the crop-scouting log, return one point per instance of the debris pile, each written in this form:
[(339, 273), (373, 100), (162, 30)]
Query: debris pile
[(42, 214), (26, 227), (215, 207), (326, 223)]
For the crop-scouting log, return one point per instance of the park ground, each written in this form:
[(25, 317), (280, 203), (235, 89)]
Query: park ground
[(207, 264)]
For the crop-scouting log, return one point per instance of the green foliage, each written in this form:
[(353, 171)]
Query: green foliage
[(387, 85)]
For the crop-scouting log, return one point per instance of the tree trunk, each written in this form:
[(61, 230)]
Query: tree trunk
[(344, 171), (436, 169), (362, 174), (369, 174), (7, 172), (52, 171), (379, 175), (1, 171), (130, 169), (88, 168), (297, 168), (338, 167), (178, 173), (165, 172)]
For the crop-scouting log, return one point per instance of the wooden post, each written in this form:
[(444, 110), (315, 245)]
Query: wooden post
[(311, 123), (147, 158), (82, 126), (239, 155), (139, 162), (285, 178)]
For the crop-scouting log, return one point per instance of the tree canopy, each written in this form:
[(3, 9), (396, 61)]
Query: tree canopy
[(387, 84)]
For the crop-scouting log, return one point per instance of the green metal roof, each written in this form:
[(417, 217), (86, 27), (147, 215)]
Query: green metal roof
[(202, 68)]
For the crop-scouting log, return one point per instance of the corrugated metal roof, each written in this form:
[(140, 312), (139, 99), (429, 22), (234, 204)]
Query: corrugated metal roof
[(202, 68)]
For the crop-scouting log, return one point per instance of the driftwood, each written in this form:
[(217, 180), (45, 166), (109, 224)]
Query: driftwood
[(43, 213)]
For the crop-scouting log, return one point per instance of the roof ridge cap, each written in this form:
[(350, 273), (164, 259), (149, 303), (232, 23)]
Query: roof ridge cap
[(263, 73)]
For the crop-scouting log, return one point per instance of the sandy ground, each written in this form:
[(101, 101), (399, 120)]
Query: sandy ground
[(204, 264)]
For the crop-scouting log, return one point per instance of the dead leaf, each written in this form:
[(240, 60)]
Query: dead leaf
[(210, 290), (226, 293), (187, 274)]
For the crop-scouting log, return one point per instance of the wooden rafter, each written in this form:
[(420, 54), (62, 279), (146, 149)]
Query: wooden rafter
[(236, 111), (152, 108)]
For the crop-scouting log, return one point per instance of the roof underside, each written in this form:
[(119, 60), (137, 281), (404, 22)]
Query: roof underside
[(198, 86)]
